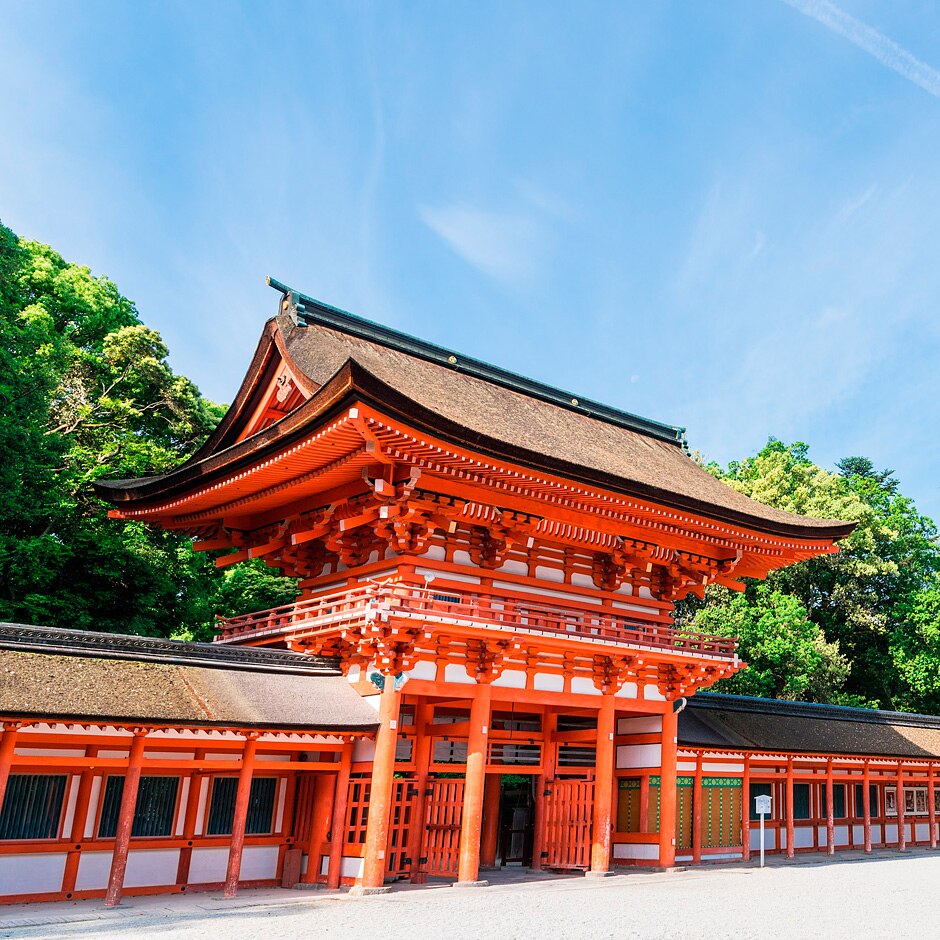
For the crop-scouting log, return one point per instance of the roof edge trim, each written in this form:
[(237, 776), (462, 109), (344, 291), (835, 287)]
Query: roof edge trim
[(303, 309)]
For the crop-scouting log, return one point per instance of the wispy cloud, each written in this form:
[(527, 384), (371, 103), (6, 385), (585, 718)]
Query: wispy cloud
[(505, 246), (876, 44)]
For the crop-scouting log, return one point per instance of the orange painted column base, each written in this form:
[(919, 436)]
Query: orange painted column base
[(468, 869), (380, 792)]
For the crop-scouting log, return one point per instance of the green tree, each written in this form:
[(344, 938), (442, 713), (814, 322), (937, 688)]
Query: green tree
[(787, 654), (857, 597), (86, 393)]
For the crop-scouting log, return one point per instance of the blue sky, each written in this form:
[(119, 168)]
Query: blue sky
[(720, 215)]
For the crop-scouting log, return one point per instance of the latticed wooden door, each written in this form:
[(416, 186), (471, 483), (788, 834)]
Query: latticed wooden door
[(684, 811), (721, 812), (397, 857), (442, 818), (569, 810)]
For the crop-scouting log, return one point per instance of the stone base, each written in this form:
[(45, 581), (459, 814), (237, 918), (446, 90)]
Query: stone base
[(600, 874), (471, 884), (358, 891)]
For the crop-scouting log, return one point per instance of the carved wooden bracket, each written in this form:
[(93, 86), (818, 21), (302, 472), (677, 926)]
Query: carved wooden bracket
[(610, 672), (486, 659)]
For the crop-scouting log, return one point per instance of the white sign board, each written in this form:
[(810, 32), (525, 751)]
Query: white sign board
[(762, 806)]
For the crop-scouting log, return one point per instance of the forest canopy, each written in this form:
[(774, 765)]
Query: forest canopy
[(86, 393)]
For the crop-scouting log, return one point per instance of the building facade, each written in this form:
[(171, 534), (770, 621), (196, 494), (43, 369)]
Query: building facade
[(492, 563)]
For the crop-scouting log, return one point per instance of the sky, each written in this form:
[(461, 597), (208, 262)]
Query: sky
[(720, 215)]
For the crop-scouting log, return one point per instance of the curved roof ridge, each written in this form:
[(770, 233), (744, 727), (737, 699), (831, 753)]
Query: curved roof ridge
[(308, 310)]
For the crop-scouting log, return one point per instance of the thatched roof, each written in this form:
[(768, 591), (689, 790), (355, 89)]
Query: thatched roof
[(73, 675), (493, 412), (743, 723)]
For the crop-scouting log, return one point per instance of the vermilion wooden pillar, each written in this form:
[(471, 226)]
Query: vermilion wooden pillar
[(324, 799), (468, 869), (830, 810), (7, 744), (667, 790), (931, 809), (125, 823), (193, 799), (380, 791), (490, 838), (549, 725), (791, 829), (697, 810), (242, 795), (902, 824), (338, 823), (77, 832), (603, 784), (746, 811), (866, 805)]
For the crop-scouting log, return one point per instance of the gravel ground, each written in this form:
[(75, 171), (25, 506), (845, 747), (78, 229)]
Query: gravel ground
[(882, 896)]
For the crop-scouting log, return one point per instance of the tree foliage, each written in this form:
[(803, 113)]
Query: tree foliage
[(859, 600), (86, 393)]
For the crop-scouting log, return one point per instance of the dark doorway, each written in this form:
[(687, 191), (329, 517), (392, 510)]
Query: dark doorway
[(516, 820)]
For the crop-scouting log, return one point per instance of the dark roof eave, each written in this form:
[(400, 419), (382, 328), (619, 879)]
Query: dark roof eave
[(353, 381)]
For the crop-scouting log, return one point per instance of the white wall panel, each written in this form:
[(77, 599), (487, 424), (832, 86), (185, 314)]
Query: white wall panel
[(644, 724), (31, 874), (93, 871), (151, 867), (643, 851), (639, 755)]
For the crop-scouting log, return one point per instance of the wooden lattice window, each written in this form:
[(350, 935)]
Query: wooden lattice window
[(260, 806), (153, 814), (32, 806)]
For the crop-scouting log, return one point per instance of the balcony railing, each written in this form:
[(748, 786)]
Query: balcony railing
[(377, 600)]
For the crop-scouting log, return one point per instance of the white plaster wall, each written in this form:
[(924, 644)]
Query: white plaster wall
[(181, 813), (770, 837), (351, 867), (449, 575), (549, 574), (511, 679), (858, 833), (923, 831), (151, 867), (92, 801), (644, 724), (208, 865), (454, 672), (581, 685), (582, 580), (627, 690), (803, 837), (876, 833), (258, 861), (639, 755), (93, 871), (363, 750), (652, 694), (31, 874), (462, 558), (891, 833), (724, 768), (436, 552), (547, 592), (642, 851), (514, 566), (548, 682), (324, 864), (841, 835), (424, 670)]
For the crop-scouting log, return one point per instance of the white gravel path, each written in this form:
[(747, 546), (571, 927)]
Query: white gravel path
[(884, 896)]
